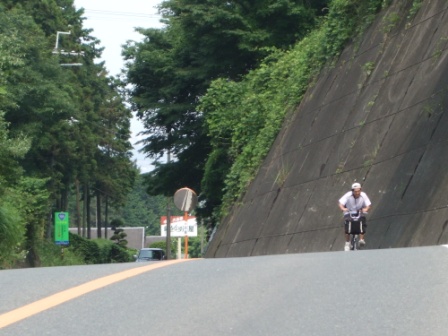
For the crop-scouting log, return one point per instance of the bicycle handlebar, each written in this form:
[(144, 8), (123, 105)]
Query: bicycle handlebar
[(355, 214)]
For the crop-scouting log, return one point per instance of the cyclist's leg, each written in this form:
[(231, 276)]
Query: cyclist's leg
[(364, 228), (347, 236), (346, 231)]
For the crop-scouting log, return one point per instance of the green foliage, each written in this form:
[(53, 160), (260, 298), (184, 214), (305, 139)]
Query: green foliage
[(12, 230), (391, 21), (98, 251), (386, 3), (51, 254), (119, 237), (11, 151), (416, 5), (116, 222), (13, 216), (159, 244), (33, 201), (58, 125), (172, 68), (88, 249), (162, 245), (196, 244), (144, 210), (368, 67), (244, 117), (111, 252), (80, 252)]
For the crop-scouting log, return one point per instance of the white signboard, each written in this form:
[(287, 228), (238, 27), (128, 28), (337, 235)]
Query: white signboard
[(180, 228)]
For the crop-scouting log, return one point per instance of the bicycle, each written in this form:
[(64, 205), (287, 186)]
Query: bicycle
[(355, 228)]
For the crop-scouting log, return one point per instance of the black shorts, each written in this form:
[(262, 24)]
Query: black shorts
[(356, 227)]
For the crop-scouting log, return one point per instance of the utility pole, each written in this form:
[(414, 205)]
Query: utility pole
[(56, 50), (168, 219)]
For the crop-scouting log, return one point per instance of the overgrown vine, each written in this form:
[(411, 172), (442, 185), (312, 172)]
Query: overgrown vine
[(244, 117)]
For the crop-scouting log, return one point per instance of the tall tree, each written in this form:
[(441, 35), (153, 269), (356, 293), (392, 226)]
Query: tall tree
[(13, 223), (172, 68), (114, 151), (60, 112)]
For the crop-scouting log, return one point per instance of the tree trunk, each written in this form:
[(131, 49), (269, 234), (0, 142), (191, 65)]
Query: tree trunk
[(64, 196), (78, 212), (88, 217), (98, 214), (32, 256), (106, 215), (84, 210)]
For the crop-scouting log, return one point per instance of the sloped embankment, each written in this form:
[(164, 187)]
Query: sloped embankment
[(379, 117)]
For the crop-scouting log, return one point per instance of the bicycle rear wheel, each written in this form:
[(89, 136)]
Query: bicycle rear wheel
[(353, 242)]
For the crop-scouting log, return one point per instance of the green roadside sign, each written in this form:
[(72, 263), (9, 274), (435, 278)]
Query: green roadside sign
[(61, 224)]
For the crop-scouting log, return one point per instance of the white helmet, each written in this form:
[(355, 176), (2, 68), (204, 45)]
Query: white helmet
[(356, 186)]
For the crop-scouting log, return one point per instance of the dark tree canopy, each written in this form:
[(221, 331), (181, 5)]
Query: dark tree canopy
[(172, 68)]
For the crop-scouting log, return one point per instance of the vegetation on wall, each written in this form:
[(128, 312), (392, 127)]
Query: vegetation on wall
[(243, 117)]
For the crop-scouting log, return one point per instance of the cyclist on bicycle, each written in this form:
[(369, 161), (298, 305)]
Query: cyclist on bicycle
[(354, 201)]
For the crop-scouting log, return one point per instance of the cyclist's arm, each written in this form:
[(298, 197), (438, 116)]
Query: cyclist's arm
[(342, 207), (343, 201), (366, 209), (367, 202)]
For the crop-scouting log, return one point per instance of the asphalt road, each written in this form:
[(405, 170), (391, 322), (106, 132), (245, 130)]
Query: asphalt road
[(370, 292)]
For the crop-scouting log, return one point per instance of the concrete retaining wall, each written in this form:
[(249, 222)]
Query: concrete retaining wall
[(387, 129)]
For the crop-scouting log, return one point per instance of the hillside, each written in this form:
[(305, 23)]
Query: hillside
[(377, 117)]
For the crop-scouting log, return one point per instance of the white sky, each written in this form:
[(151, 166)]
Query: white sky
[(113, 22)]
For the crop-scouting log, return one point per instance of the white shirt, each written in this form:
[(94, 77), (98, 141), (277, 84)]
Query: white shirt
[(355, 204)]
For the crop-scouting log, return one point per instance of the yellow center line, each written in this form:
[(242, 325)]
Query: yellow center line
[(56, 299)]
